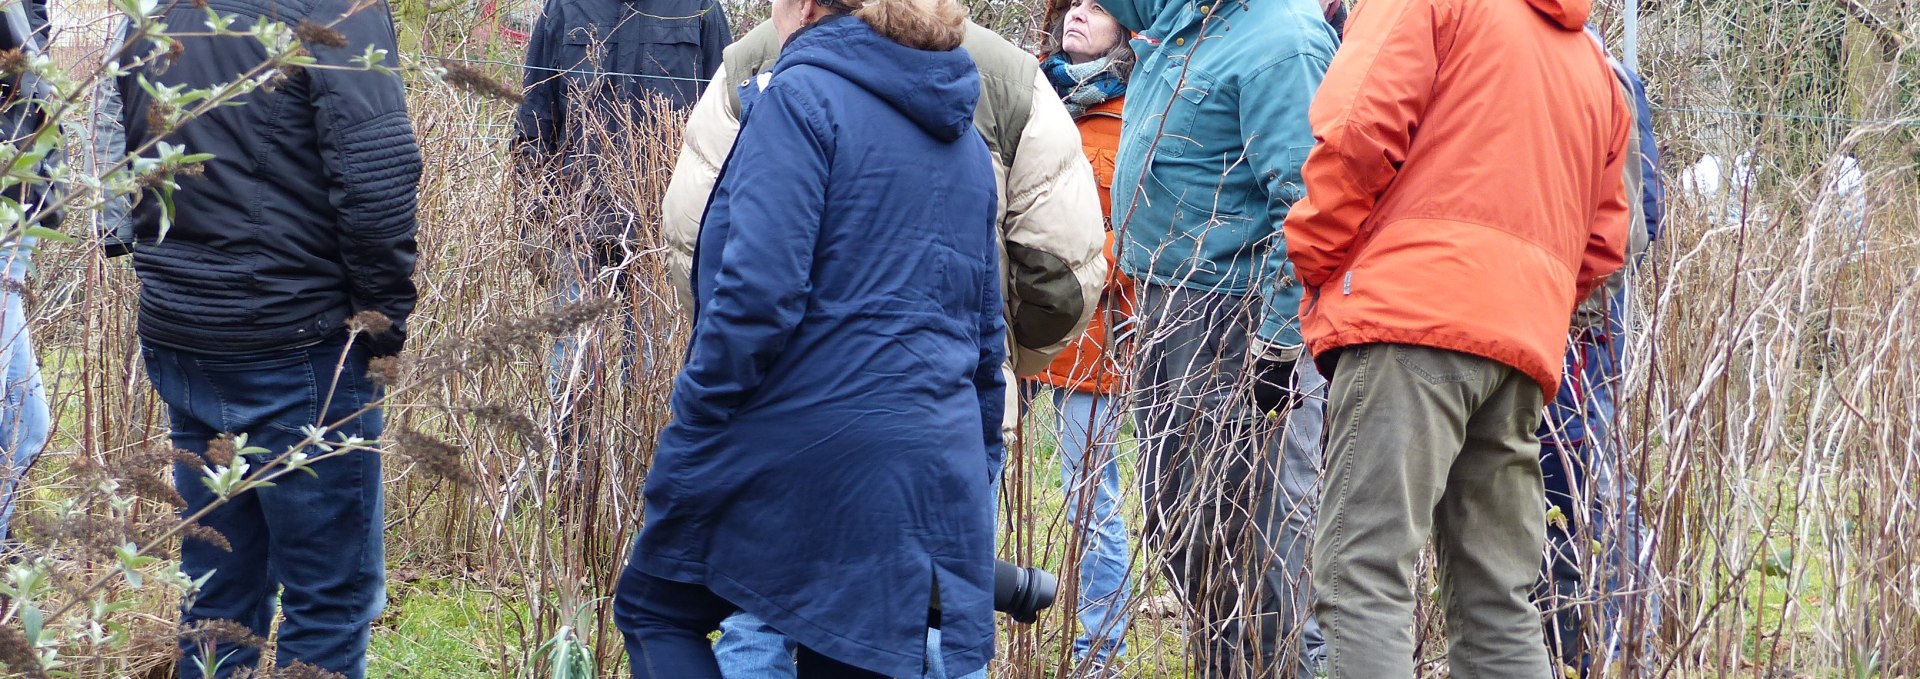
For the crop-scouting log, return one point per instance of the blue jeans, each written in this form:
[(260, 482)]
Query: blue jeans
[(574, 364), (313, 539), (1088, 436), (666, 624), (749, 649), (1587, 480), (24, 421)]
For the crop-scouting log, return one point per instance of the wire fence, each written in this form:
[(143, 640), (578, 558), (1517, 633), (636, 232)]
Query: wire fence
[(1693, 110)]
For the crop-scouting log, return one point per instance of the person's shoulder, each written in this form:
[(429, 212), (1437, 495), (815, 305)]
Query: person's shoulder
[(757, 47), (801, 87), (993, 53), (1275, 33)]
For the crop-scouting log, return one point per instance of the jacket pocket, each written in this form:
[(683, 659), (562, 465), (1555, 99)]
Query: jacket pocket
[(671, 50), (590, 50), (1102, 161), (1188, 90), (278, 390)]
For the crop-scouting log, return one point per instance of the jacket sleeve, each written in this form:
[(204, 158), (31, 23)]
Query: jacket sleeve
[(1607, 238), (107, 147), (1375, 93), (704, 144), (542, 115), (1279, 96), (1053, 234), (1653, 188), (989, 382), (778, 191), (372, 163), (714, 38)]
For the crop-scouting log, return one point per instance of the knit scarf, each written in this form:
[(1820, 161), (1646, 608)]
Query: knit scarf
[(1082, 86)]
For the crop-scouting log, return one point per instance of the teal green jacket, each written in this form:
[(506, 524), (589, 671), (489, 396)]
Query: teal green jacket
[(1214, 135)]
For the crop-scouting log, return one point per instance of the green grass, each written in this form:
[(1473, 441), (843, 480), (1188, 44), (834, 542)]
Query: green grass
[(436, 630)]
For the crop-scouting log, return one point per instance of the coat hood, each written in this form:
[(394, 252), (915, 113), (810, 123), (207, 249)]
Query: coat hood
[(937, 90), (1133, 15), (1569, 14)]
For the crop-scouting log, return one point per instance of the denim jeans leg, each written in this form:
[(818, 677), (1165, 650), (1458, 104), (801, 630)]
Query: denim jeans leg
[(239, 589), (24, 420), (749, 649), (313, 539), (1300, 469), (327, 530), (570, 369), (937, 664), (1089, 432)]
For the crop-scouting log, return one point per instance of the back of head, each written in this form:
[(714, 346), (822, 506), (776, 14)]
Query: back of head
[(937, 25)]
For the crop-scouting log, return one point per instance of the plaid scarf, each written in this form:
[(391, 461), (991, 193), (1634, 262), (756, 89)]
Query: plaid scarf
[(1082, 86)]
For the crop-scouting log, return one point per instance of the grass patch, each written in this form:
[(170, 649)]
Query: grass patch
[(436, 629)]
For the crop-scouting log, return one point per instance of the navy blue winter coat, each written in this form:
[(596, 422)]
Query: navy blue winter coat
[(829, 458)]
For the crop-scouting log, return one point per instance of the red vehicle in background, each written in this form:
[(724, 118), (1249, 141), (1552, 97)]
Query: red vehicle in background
[(508, 21)]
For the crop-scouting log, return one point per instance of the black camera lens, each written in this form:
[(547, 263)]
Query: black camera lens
[(1022, 593)]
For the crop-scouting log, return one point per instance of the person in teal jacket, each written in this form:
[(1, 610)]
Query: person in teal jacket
[(1213, 135)]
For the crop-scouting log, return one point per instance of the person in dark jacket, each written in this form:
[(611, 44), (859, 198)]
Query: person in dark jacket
[(24, 419), (303, 219), (837, 425), (597, 72), (606, 53)]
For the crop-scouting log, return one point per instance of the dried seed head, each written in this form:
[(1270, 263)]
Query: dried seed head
[(310, 33), (300, 670), (196, 531), (158, 119), (220, 631), (384, 370), (369, 323), (97, 535), (187, 458), (220, 451), (435, 457), (17, 655), (142, 471), (506, 337), (510, 421), (14, 62), (466, 77)]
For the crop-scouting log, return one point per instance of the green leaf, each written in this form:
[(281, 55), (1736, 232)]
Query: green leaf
[(31, 622), (1779, 563), (44, 233)]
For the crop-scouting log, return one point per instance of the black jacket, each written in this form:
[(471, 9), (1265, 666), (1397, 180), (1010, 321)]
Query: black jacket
[(305, 215), (589, 63), (610, 53)]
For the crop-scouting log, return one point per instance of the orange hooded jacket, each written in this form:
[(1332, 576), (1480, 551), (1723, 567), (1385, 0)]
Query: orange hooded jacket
[(1465, 190)]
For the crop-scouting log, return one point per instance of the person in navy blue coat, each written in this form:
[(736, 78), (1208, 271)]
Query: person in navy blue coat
[(828, 466)]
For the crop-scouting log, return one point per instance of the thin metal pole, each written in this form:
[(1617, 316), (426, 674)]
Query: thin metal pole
[(1633, 34)]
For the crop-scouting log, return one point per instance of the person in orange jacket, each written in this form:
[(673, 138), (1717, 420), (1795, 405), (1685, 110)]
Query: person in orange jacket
[(1465, 191), (1088, 64)]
